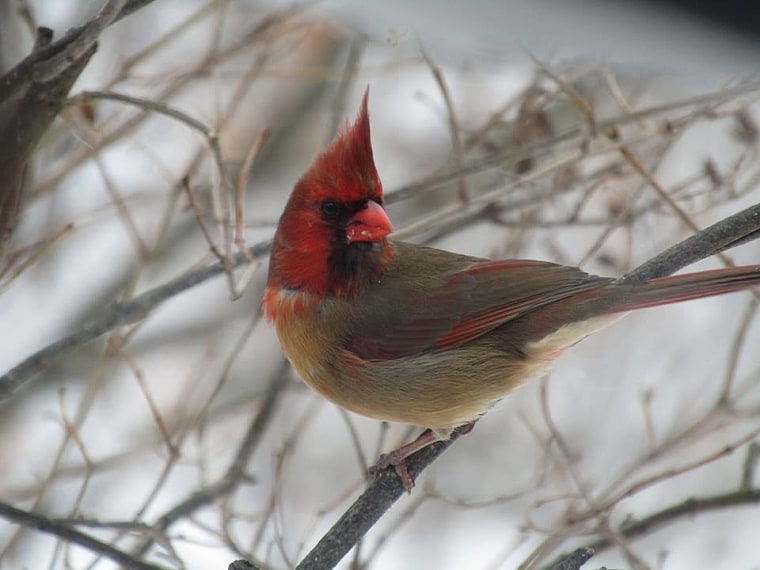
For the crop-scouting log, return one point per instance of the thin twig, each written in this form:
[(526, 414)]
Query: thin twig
[(65, 532), (494, 160), (241, 187), (213, 248), (115, 315), (347, 78), (236, 470), (688, 508), (453, 122), (161, 108)]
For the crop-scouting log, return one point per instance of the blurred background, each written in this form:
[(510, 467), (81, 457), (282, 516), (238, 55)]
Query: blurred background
[(498, 130)]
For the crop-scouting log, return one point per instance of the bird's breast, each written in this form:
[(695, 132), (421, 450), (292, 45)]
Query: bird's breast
[(305, 341)]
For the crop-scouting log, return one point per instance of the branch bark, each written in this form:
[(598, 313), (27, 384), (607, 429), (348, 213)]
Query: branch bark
[(116, 315), (32, 95), (688, 508), (66, 532)]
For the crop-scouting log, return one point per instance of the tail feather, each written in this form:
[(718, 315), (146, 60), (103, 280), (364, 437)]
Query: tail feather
[(677, 288), (616, 298)]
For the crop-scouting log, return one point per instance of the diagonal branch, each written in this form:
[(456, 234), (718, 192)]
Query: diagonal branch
[(116, 315), (236, 472), (688, 508), (64, 531), (32, 95)]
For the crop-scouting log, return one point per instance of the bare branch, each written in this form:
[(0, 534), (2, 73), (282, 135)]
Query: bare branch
[(65, 532), (686, 509), (235, 472), (33, 93), (116, 315)]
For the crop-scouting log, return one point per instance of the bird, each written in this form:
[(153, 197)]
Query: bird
[(406, 333)]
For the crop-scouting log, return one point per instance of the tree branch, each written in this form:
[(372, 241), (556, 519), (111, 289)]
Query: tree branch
[(688, 508), (725, 234), (236, 470), (65, 532), (32, 95), (115, 315)]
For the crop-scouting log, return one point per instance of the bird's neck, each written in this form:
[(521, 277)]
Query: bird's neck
[(337, 272)]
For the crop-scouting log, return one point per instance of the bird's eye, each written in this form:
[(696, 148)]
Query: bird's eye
[(329, 209)]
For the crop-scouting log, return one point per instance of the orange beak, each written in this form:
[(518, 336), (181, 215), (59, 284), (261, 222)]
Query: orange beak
[(369, 224)]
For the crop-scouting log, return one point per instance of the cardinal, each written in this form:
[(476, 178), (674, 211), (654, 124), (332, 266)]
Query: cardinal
[(405, 333)]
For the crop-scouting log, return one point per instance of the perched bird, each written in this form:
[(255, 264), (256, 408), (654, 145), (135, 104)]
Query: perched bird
[(412, 334)]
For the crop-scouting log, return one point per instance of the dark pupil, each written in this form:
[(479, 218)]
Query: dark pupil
[(329, 209)]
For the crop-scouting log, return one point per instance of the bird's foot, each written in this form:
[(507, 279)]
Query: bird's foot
[(397, 459)]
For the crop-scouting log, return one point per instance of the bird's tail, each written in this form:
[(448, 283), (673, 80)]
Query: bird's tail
[(677, 288)]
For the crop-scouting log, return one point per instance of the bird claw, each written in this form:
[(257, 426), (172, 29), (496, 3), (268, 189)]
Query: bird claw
[(398, 462), (397, 457)]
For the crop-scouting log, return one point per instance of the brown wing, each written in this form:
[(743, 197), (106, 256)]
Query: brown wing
[(436, 306)]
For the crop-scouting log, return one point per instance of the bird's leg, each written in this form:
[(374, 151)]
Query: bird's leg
[(397, 457)]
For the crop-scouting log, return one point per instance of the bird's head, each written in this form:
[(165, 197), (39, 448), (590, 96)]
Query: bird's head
[(331, 237)]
